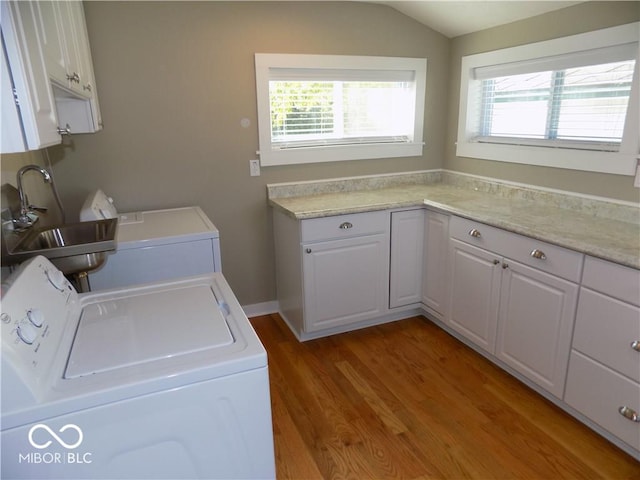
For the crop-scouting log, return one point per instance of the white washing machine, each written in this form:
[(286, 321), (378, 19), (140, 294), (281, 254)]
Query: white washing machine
[(154, 245), (163, 380)]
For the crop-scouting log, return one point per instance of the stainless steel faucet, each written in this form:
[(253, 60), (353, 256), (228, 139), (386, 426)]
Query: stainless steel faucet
[(24, 221)]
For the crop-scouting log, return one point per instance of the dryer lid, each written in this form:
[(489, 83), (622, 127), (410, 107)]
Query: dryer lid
[(145, 327)]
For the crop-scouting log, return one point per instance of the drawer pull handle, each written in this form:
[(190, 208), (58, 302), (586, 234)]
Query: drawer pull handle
[(346, 225), (629, 413), (636, 345), (539, 254), (475, 233)]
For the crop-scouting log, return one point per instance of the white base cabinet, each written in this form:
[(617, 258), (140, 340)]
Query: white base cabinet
[(522, 315), (513, 297), (332, 272)]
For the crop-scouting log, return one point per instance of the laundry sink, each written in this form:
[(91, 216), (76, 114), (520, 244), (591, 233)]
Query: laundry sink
[(71, 247)]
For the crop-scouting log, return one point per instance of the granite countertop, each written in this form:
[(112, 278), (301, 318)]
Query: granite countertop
[(596, 233)]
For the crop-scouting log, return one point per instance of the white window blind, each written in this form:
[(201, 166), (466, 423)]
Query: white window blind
[(319, 111)]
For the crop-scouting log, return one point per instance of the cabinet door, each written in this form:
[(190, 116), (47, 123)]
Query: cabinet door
[(407, 240), (47, 21), (345, 281), (474, 293), (535, 324), (434, 273), (28, 71)]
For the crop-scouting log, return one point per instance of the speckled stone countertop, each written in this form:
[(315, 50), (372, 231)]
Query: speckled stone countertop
[(607, 230)]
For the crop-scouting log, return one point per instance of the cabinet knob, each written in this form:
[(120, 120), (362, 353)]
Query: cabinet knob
[(539, 254), (475, 233), (636, 345), (505, 266), (308, 250), (496, 262), (629, 413), (346, 225), (87, 87)]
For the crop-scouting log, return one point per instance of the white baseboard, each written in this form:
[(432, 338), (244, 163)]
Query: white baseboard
[(264, 308)]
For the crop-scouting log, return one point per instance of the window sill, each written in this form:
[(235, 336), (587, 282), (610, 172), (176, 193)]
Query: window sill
[(338, 153), (591, 161)]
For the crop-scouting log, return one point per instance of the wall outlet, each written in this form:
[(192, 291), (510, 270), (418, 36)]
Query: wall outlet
[(254, 168)]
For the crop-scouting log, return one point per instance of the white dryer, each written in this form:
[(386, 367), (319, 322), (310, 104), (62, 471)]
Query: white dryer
[(163, 380), (154, 245)]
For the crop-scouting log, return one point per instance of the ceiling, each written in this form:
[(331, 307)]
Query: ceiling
[(454, 18)]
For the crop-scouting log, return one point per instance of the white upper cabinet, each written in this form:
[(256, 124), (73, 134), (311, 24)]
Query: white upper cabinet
[(50, 70), (34, 123)]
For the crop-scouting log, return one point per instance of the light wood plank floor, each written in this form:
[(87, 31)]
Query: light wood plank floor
[(407, 400)]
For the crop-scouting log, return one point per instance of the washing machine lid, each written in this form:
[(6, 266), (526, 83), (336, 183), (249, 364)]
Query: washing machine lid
[(146, 327), (159, 227)]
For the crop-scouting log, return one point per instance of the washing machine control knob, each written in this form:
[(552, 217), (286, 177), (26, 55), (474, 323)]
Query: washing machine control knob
[(36, 317), (27, 332), (56, 278)]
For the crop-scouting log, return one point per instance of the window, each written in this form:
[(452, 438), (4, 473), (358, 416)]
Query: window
[(315, 108), (568, 103)]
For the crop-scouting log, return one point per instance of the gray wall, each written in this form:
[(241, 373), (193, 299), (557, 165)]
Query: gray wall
[(175, 79)]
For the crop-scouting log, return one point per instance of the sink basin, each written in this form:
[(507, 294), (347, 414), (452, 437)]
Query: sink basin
[(72, 247)]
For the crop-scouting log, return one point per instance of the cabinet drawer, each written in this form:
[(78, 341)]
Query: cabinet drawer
[(535, 253), (598, 392), (605, 328), (344, 226), (613, 279)]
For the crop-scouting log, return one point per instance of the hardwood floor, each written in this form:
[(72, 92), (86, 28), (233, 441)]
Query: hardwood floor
[(407, 400)]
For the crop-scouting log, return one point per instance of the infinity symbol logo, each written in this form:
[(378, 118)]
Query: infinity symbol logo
[(53, 434)]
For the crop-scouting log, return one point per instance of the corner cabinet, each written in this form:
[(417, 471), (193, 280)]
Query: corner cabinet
[(50, 68), (407, 245), (332, 272), (515, 298), (418, 260)]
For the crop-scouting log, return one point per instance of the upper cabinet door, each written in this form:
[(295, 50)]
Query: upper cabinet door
[(48, 28), (28, 72)]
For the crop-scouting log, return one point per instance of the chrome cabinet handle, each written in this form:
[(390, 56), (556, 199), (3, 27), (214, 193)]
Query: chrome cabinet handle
[(629, 413), (64, 131), (74, 77), (475, 233), (345, 225), (636, 345), (539, 254)]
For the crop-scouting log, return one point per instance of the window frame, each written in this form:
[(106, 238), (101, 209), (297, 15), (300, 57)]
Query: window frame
[(622, 162), (329, 153)]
